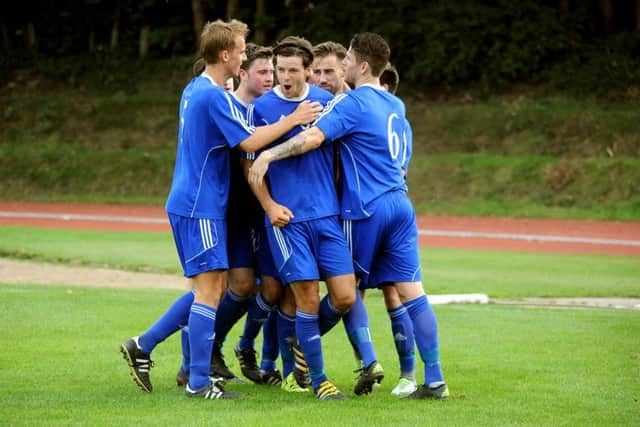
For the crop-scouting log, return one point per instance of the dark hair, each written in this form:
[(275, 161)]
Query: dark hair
[(373, 49), (390, 77), (254, 52), (329, 48), (295, 46)]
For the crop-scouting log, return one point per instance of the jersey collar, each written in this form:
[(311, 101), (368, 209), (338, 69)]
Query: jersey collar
[(302, 97), (208, 77), (373, 86)]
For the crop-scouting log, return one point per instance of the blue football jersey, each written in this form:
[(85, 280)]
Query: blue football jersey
[(368, 124), (304, 183), (407, 143), (209, 126)]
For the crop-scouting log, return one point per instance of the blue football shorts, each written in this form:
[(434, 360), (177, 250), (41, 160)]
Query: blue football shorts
[(201, 243), (310, 250), (385, 245), (240, 247), (262, 254)]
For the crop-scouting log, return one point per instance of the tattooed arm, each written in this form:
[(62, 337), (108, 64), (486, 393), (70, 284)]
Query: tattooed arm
[(305, 141)]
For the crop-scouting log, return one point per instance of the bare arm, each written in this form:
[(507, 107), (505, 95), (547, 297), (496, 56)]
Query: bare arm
[(279, 215), (307, 140), (306, 112)]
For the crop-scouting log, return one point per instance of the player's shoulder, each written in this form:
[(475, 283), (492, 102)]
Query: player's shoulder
[(319, 94), (265, 99), (237, 102)]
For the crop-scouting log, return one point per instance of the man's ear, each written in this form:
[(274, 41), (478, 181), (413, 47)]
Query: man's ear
[(364, 66), (224, 55)]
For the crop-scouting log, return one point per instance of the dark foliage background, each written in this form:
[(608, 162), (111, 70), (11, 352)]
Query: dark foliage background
[(583, 47)]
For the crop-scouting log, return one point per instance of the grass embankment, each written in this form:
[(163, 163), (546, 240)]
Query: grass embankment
[(509, 156)]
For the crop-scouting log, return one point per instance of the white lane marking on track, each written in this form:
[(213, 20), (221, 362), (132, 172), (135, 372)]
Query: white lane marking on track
[(528, 237), (83, 217)]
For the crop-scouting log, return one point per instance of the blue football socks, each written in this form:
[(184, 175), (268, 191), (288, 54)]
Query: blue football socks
[(232, 307), (328, 315), (174, 318), (257, 315), (202, 320), (425, 330), (186, 351), (308, 334), (402, 330), (356, 322), (270, 343), (286, 334)]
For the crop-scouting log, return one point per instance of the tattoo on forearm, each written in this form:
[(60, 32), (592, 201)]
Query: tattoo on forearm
[(291, 147)]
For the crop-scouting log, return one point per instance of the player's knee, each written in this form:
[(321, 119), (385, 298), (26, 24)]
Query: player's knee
[(343, 301), (242, 286), (271, 294)]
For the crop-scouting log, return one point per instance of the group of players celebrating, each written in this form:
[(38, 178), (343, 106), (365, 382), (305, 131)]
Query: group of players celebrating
[(276, 188)]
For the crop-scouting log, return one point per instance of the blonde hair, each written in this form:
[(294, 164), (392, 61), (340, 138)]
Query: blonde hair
[(218, 35)]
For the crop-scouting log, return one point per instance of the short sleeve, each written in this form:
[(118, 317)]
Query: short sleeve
[(336, 120), (231, 122)]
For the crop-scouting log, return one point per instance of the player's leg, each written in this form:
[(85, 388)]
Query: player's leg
[(308, 333), (401, 265), (402, 331), (268, 367), (182, 377), (237, 297), (425, 327), (208, 288), (137, 350), (286, 337), (363, 237), (269, 372), (336, 264), (259, 310)]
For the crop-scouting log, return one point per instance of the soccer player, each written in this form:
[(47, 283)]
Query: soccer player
[(244, 221), (312, 245), (209, 127), (328, 73), (379, 217), (401, 326), (327, 67)]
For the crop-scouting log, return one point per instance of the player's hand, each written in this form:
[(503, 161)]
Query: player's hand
[(279, 215), (258, 169), (306, 112)]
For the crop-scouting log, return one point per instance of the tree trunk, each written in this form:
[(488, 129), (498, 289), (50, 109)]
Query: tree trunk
[(232, 7), (92, 40), (563, 7), (198, 20), (32, 39), (606, 7), (6, 40), (143, 49), (261, 34), (115, 27)]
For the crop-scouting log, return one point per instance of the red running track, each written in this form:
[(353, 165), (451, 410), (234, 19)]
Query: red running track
[(505, 234)]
